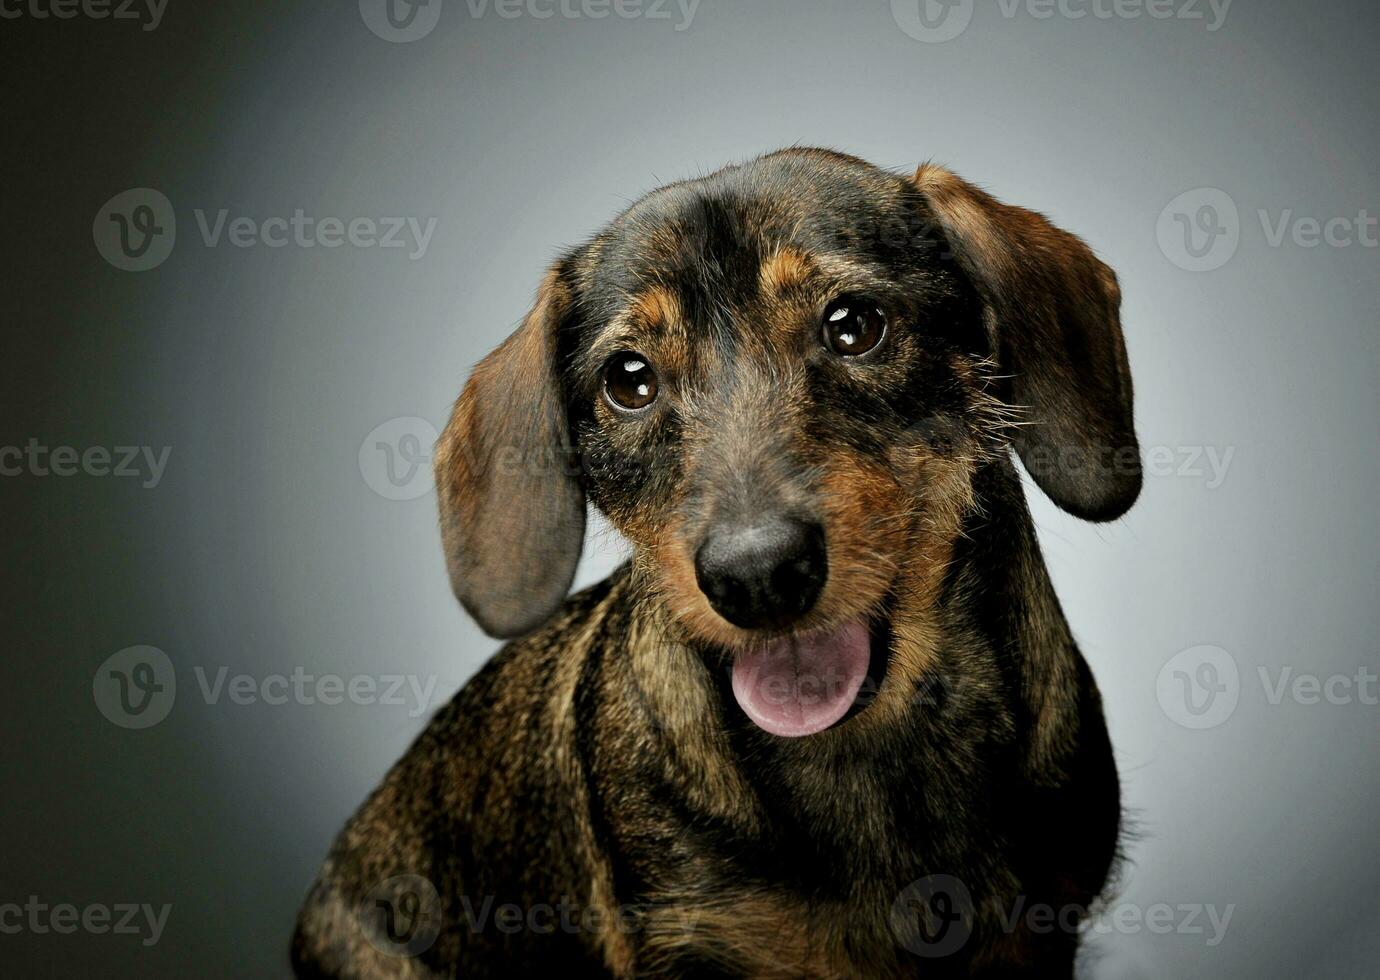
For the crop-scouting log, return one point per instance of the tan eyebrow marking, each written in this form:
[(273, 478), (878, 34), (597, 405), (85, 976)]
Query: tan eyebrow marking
[(656, 306), (650, 324), (783, 269)]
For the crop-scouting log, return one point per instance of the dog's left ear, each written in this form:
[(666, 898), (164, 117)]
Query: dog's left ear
[(1052, 315), (512, 504)]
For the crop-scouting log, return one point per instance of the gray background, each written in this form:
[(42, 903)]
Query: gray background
[(265, 548)]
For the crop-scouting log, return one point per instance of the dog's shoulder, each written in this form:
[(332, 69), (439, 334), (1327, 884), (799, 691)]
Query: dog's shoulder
[(439, 817), (502, 725)]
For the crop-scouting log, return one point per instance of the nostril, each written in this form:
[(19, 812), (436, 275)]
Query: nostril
[(764, 574), (800, 574)]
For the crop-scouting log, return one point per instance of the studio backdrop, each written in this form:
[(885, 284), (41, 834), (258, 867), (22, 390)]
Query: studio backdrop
[(252, 251)]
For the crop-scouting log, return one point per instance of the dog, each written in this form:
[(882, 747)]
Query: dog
[(829, 719)]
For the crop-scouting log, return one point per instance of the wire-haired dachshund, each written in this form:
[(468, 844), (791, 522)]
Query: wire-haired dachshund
[(829, 719)]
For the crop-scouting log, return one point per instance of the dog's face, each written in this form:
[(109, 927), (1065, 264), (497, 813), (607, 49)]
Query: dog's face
[(775, 381), (778, 382)]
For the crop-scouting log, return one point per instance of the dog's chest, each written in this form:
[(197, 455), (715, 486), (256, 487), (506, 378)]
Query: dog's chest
[(812, 892), (745, 930)]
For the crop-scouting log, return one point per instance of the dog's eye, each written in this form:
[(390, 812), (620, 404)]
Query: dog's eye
[(853, 326), (630, 381)]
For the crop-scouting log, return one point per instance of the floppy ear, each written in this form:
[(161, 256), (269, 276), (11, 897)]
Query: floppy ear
[(1052, 313), (512, 505)]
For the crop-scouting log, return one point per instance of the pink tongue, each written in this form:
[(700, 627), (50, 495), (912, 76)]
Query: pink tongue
[(802, 685)]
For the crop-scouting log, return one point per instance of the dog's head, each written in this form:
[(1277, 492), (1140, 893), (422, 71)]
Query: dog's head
[(778, 382)]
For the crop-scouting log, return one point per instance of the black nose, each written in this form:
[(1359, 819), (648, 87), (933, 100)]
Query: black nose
[(765, 574)]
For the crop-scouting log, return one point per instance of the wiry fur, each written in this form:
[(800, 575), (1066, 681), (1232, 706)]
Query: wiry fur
[(602, 762)]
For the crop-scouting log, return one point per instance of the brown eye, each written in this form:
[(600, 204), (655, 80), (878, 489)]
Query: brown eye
[(853, 326), (630, 381)]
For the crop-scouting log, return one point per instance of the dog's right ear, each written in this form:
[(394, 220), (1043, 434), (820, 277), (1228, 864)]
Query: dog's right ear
[(512, 504)]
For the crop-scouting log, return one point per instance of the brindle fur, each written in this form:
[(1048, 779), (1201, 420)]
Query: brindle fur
[(601, 762)]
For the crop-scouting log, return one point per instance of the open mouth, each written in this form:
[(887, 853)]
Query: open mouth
[(801, 685)]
